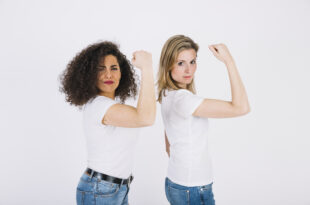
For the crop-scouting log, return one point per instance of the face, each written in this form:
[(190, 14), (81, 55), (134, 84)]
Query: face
[(184, 68), (109, 76)]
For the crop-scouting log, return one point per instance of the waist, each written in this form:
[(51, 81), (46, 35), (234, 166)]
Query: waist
[(190, 174), (101, 176)]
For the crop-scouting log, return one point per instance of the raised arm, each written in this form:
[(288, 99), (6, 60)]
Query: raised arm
[(239, 104), (144, 114)]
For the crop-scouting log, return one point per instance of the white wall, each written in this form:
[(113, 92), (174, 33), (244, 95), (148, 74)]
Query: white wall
[(261, 158)]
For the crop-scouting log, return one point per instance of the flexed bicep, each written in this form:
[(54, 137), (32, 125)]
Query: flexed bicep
[(123, 116), (218, 109)]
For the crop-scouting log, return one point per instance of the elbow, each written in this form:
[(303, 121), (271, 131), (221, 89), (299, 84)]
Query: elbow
[(244, 110), (248, 109), (148, 121)]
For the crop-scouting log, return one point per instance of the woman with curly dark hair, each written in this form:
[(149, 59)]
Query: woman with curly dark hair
[(99, 79)]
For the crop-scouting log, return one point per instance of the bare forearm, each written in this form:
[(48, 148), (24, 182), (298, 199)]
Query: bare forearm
[(238, 92), (146, 107)]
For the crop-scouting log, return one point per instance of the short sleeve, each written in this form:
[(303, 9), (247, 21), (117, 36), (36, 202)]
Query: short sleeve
[(99, 106), (185, 102)]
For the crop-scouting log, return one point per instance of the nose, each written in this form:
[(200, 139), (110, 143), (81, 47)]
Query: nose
[(108, 74), (187, 68)]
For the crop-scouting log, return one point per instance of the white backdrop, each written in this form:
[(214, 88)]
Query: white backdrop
[(261, 158)]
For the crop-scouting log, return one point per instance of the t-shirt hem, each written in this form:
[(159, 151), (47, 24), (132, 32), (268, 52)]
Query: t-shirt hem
[(202, 183), (122, 176)]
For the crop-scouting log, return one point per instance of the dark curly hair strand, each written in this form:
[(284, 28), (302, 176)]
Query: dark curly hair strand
[(79, 80)]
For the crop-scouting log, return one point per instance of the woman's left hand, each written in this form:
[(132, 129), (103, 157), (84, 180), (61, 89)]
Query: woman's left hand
[(221, 52)]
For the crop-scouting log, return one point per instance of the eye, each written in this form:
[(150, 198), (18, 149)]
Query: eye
[(101, 68), (193, 62), (180, 63), (114, 68)]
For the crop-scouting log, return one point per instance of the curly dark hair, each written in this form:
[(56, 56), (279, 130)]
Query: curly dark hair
[(79, 80)]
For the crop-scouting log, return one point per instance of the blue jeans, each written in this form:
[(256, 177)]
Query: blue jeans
[(181, 195), (93, 191)]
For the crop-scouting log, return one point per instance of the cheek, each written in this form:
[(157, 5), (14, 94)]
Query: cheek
[(119, 76), (100, 76), (176, 74), (194, 68)]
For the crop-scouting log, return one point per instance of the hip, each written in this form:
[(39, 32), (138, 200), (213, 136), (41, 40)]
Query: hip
[(93, 190), (184, 195)]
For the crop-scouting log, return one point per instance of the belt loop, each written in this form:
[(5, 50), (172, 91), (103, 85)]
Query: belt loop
[(92, 173), (129, 182), (121, 183)]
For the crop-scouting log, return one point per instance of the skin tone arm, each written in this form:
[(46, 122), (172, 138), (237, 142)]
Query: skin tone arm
[(167, 145), (239, 104), (144, 115)]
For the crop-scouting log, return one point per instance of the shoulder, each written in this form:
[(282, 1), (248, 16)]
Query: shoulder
[(101, 99), (182, 94), (185, 102), (96, 108), (99, 102), (179, 92), (177, 95)]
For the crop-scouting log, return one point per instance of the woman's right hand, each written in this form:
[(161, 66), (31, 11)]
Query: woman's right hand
[(221, 52), (142, 59)]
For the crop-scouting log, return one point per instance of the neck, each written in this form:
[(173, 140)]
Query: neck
[(109, 95), (184, 86)]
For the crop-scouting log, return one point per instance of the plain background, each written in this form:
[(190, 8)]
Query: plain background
[(261, 158)]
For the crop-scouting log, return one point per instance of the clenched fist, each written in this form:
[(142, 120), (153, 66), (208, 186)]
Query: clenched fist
[(142, 59), (221, 52)]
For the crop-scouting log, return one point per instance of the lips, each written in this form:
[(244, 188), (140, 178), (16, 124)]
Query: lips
[(187, 77), (108, 82)]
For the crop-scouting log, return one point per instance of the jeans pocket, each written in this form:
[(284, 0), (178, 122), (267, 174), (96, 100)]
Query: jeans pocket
[(79, 197), (84, 198), (167, 190), (85, 186), (207, 196), (178, 196), (106, 189), (84, 193), (206, 187)]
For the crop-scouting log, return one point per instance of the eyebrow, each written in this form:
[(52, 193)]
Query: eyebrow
[(180, 60), (102, 66)]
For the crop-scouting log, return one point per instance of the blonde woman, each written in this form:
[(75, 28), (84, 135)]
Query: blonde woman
[(185, 117)]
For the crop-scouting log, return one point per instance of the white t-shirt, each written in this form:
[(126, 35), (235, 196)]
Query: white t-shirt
[(189, 162), (110, 149)]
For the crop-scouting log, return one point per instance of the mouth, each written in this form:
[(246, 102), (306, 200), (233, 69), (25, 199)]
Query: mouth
[(108, 82), (187, 77)]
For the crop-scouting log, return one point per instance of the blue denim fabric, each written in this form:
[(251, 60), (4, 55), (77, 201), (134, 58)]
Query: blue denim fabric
[(183, 195), (93, 191)]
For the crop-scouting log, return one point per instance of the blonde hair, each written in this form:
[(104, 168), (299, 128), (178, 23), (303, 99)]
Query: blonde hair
[(169, 53)]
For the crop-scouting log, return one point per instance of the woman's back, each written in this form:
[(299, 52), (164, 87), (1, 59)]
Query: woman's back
[(110, 149), (189, 163)]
